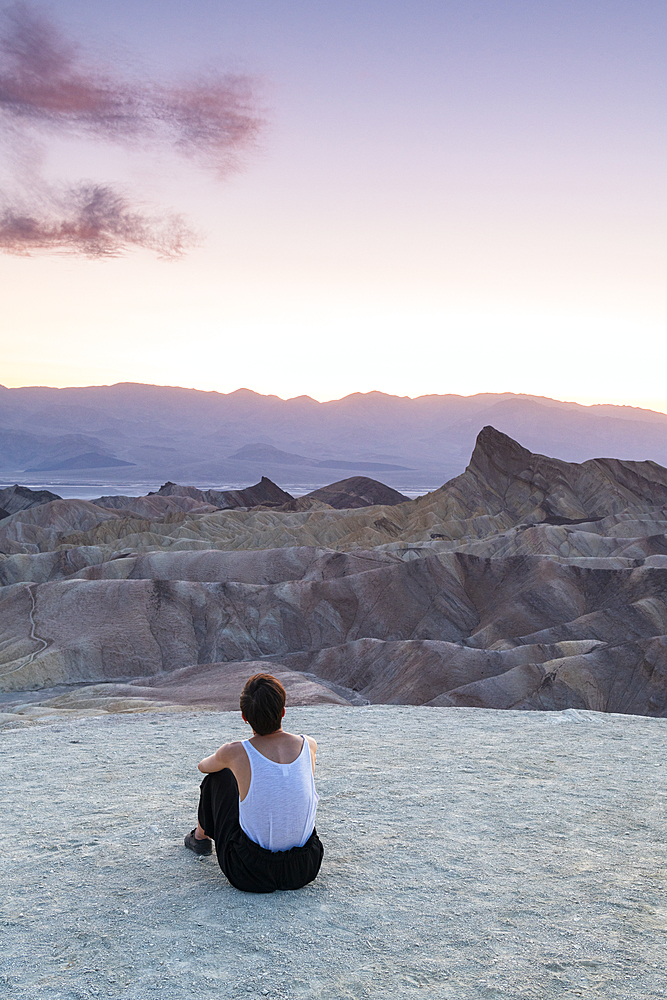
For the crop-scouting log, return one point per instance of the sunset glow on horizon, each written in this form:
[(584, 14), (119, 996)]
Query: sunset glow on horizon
[(444, 198)]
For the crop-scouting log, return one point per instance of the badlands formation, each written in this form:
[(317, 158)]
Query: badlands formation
[(526, 583)]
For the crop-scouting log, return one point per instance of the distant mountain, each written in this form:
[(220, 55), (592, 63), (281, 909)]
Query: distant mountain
[(185, 435), (91, 460), (20, 449), (363, 466), (264, 492), (357, 492), (268, 455)]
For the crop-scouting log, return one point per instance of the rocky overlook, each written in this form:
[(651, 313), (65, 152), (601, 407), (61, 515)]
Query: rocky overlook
[(469, 855), (526, 582)]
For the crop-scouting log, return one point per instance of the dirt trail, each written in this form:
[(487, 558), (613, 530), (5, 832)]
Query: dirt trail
[(469, 854)]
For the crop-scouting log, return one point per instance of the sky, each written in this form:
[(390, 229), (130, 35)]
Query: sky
[(446, 196)]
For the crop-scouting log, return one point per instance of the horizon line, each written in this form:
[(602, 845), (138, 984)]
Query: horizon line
[(336, 399)]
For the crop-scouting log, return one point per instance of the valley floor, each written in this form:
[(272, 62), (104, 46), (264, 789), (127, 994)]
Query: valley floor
[(469, 854)]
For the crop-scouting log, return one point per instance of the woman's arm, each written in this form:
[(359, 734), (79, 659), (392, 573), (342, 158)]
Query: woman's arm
[(217, 760), (313, 751)]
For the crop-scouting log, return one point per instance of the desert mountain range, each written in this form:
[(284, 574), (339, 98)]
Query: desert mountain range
[(129, 432), (526, 582)]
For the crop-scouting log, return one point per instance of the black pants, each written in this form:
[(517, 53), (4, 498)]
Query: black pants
[(247, 865)]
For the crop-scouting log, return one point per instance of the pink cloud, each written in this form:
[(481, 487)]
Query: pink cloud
[(89, 220), (47, 89)]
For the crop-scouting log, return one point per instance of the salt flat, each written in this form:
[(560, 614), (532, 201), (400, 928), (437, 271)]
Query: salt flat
[(469, 854)]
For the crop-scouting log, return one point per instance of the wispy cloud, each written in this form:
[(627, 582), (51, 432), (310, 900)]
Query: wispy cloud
[(47, 91), (92, 220)]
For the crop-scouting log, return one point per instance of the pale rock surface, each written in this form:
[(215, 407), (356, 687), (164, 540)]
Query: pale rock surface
[(153, 505), (469, 855), (40, 527)]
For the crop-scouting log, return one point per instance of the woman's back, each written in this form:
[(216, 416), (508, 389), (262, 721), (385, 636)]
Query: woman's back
[(281, 747), (278, 812)]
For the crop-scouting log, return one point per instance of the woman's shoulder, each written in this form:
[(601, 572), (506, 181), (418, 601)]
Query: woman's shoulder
[(312, 746), (302, 736), (231, 751)]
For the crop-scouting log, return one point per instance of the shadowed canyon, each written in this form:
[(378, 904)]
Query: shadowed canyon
[(526, 582)]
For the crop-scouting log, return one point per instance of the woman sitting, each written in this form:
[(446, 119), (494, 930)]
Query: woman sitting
[(258, 799)]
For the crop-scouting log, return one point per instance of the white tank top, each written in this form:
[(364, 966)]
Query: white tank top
[(279, 810)]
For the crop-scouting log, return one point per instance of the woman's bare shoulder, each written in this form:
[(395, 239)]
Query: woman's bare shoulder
[(228, 755), (312, 744), (309, 739)]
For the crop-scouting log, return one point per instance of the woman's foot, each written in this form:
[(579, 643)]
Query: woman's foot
[(199, 846)]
